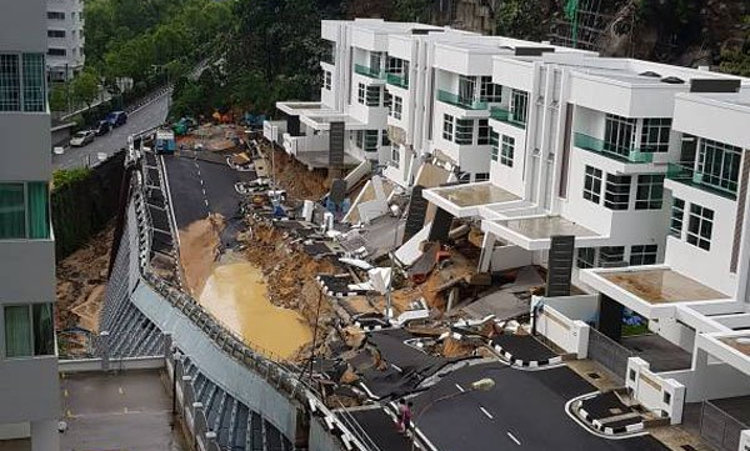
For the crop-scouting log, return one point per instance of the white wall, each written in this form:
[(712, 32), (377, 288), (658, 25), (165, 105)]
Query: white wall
[(711, 381), (570, 335), (650, 388), (509, 256), (727, 124), (675, 332), (510, 179)]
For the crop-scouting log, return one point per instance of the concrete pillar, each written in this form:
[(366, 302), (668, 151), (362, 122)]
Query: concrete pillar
[(485, 258), (104, 346), (44, 435)]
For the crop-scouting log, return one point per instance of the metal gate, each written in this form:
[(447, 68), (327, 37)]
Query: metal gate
[(609, 353), (720, 429)]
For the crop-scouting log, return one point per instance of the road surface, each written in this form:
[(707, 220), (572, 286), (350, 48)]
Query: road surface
[(148, 116)]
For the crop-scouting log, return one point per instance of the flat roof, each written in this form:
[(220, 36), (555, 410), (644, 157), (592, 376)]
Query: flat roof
[(548, 226), (463, 200), (661, 286), (740, 343)]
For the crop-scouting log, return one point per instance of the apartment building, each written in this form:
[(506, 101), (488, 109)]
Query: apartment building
[(28, 361), (65, 38)]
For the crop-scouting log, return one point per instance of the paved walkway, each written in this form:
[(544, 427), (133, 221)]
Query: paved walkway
[(129, 410)]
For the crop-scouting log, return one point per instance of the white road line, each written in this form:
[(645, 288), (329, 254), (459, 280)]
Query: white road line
[(513, 437), (484, 411), (460, 388)]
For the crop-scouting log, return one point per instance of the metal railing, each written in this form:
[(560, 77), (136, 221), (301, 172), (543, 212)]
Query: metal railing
[(467, 103), (369, 72), (617, 152), (402, 81), (507, 116), (692, 177)]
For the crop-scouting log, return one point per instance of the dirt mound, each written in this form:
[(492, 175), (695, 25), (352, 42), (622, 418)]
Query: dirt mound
[(81, 283), (199, 247), (294, 177)]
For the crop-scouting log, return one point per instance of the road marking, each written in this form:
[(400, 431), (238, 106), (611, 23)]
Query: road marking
[(484, 411), (125, 410), (68, 413), (460, 388), (205, 201), (513, 437), (65, 393), (121, 391)]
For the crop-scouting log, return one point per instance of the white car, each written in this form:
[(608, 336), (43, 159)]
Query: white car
[(82, 138)]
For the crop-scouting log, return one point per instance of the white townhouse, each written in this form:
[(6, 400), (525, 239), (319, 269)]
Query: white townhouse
[(65, 38)]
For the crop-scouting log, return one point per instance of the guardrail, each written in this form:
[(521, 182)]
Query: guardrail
[(284, 376)]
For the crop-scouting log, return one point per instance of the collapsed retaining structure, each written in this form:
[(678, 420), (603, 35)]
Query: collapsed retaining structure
[(229, 395)]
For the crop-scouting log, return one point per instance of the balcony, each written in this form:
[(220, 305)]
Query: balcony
[(507, 116), (376, 74), (615, 152), (692, 177), (402, 81), (460, 101)]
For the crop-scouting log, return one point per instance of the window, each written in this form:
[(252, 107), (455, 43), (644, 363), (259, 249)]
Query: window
[(361, 93), (519, 105), (385, 140), (482, 177), (649, 192), (29, 330), (655, 134), (10, 83), (375, 60), (667, 398), (57, 33), (619, 133), (700, 226), (373, 96), (631, 375), (592, 184), (466, 88), (359, 139), (464, 131), (490, 92), (447, 127), (397, 108), (719, 164), (484, 132), (506, 151), (617, 192), (678, 213), (56, 52), (610, 255), (327, 80), (55, 15), (395, 155), (586, 257), (24, 210), (371, 141), (643, 254), (34, 93), (495, 145)]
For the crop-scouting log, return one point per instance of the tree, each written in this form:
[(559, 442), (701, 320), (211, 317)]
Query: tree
[(85, 87), (58, 97)]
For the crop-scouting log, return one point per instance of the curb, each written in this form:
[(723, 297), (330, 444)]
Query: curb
[(526, 363), (607, 430)]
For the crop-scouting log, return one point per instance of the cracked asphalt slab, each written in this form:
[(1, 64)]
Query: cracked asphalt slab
[(525, 410)]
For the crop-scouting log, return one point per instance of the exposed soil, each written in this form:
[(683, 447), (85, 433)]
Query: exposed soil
[(82, 281), (199, 248), (294, 177)]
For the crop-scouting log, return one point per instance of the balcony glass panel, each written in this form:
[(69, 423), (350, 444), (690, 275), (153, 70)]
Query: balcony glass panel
[(617, 152), (695, 178), (460, 101), (369, 72), (397, 80), (507, 116)]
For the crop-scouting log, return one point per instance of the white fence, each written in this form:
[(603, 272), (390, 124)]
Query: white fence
[(655, 392)]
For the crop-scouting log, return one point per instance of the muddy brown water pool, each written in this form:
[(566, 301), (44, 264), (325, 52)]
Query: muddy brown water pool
[(235, 293)]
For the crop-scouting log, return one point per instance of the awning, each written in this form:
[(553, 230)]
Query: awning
[(535, 233)]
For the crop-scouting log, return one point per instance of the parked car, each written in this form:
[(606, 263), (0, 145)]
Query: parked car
[(103, 127), (82, 138), (117, 118)]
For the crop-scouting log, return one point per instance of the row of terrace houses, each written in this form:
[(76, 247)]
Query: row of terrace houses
[(644, 164)]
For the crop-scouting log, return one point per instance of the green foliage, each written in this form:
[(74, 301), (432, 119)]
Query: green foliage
[(64, 177), (412, 10), (520, 19), (84, 88), (737, 60), (58, 97)]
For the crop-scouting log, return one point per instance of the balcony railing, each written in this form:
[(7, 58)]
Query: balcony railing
[(460, 101), (369, 72), (616, 152), (691, 177), (397, 80), (505, 115)]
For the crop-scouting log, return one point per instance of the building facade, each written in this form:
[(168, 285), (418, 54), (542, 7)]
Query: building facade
[(65, 38), (28, 361)]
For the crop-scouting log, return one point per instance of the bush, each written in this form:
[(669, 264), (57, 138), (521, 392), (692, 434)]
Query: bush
[(64, 177)]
